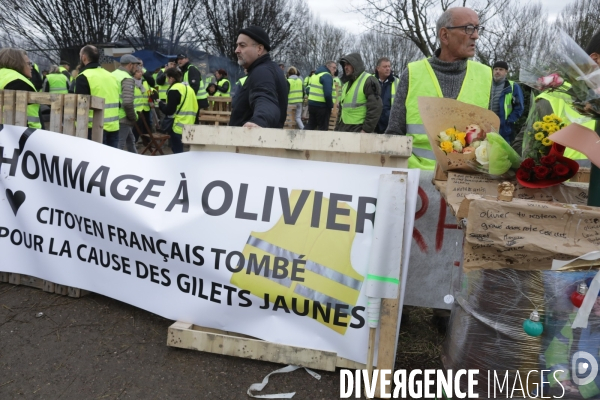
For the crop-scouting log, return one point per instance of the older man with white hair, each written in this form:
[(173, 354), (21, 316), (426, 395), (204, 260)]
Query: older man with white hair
[(448, 73)]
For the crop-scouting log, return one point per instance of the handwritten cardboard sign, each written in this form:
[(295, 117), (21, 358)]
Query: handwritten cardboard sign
[(527, 234), (460, 185)]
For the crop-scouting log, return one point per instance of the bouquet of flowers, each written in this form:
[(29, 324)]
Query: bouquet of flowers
[(569, 70), (543, 162), (484, 152), (549, 170)]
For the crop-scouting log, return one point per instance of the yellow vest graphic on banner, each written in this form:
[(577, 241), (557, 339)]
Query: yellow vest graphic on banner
[(329, 279)]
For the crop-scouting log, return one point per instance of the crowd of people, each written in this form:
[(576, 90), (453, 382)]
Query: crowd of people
[(378, 102)]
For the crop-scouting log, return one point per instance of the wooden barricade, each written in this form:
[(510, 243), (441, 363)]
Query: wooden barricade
[(218, 113), (361, 148), (68, 115)]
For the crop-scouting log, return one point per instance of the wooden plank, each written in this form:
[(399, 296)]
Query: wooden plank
[(21, 101), (1, 106), (26, 280), (76, 293), (61, 289), (56, 112), (14, 279), (341, 142), (97, 106), (8, 112), (48, 287), (188, 336), (4, 276), (69, 112), (83, 111)]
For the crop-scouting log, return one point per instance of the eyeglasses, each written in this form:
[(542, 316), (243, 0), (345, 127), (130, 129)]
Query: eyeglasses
[(469, 29)]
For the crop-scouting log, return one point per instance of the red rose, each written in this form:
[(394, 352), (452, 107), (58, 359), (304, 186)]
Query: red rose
[(528, 163), (561, 170), (541, 172), (523, 174), (548, 160)]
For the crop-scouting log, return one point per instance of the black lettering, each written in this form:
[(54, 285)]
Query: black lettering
[(315, 220), (240, 213), (242, 294), (240, 263), (130, 190), (148, 192), (362, 215), (266, 214), (52, 169), (98, 180), (186, 287), (24, 163), (125, 262), (339, 314), (69, 177), (39, 213), (280, 303), (360, 318), (214, 291), (253, 266), (226, 201), (166, 280), (196, 252), (181, 197), (290, 217), (154, 273), (334, 211), (280, 264), (14, 161)]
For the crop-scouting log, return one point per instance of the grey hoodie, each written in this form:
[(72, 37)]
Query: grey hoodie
[(371, 89)]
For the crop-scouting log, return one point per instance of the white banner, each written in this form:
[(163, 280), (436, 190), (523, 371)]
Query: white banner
[(268, 247)]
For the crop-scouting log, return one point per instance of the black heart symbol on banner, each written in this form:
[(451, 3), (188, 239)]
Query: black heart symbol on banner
[(15, 199)]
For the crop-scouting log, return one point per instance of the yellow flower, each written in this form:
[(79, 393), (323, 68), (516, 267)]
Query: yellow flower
[(539, 136), (537, 125), (460, 136), (450, 131), (547, 118), (547, 142), (556, 118), (447, 146)]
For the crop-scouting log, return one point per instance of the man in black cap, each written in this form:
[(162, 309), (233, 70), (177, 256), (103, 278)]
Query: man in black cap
[(191, 75), (263, 100), (64, 68), (506, 100)]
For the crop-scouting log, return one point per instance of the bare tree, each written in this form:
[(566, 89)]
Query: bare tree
[(517, 34), (60, 24), (415, 19), (161, 24), (580, 20), (283, 20), (400, 51), (320, 42)]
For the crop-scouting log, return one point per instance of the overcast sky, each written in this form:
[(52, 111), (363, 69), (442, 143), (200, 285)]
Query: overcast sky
[(338, 12)]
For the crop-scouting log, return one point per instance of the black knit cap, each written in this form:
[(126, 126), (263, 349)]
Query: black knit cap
[(257, 33), (594, 44), (500, 64)]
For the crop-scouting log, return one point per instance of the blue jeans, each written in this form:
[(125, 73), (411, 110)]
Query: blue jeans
[(176, 143), (108, 138)]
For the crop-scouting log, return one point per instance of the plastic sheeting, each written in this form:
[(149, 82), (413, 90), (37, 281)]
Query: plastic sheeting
[(486, 332)]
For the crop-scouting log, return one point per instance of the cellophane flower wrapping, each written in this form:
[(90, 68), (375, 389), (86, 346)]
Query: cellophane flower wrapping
[(567, 69)]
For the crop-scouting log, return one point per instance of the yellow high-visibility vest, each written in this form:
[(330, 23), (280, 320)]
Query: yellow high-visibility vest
[(7, 76), (422, 82)]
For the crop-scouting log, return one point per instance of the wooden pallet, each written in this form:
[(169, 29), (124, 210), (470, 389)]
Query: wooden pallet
[(46, 286), (218, 113), (188, 336), (68, 115)]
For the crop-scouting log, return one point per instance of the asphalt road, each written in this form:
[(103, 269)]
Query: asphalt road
[(95, 347)]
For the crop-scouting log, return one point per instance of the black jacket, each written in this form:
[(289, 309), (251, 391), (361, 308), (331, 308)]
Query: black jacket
[(194, 77), (263, 99)]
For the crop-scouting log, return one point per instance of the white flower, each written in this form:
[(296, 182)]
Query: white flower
[(481, 154), (476, 144), (457, 146), (444, 137)]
